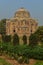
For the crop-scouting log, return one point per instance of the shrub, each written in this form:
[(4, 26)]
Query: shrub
[(24, 51), (33, 40), (20, 59), (26, 60), (6, 38)]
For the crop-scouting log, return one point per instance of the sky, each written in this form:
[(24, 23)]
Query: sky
[(9, 7)]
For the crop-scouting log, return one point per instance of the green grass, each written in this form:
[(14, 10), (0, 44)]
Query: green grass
[(3, 62), (39, 63)]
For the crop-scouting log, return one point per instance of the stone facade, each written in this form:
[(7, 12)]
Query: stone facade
[(22, 24)]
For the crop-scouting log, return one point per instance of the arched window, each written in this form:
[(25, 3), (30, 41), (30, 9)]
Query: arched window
[(14, 30)]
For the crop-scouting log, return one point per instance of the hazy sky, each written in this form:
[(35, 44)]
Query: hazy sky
[(9, 7)]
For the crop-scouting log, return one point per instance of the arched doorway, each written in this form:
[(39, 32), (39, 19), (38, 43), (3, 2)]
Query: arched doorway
[(24, 39), (15, 39)]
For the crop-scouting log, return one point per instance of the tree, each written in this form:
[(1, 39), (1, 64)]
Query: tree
[(3, 26), (39, 32), (6, 38), (15, 39), (33, 40), (24, 39), (37, 37)]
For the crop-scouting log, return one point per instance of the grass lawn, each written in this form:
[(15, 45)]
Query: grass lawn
[(3, 62), (39, 63)]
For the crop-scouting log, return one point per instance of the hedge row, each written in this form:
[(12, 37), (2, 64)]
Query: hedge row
[(21, 53), (27, 51)]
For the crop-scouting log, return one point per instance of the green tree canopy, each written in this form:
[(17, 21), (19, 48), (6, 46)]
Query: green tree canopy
[(3, 26), (39, 32), (33, 40)]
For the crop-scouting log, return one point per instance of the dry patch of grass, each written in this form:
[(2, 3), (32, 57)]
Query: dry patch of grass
[(7, 61), (3, 62)]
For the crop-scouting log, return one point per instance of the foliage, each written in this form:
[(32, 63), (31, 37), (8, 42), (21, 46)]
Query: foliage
[(22, 53), (15, 39), (6, 38), (3, 26), (33, 40), (39, 32), (37, 37), (39, 63)]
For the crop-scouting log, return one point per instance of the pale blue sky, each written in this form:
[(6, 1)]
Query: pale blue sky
[(9, 7)]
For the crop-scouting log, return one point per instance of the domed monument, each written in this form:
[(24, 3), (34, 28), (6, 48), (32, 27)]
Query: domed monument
[(21, 24), (22, 13)]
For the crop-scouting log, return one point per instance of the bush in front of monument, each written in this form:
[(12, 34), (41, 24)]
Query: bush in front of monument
[(33, 40), (6, 38)]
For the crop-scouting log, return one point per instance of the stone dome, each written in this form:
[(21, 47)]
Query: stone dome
[(22, 13)]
